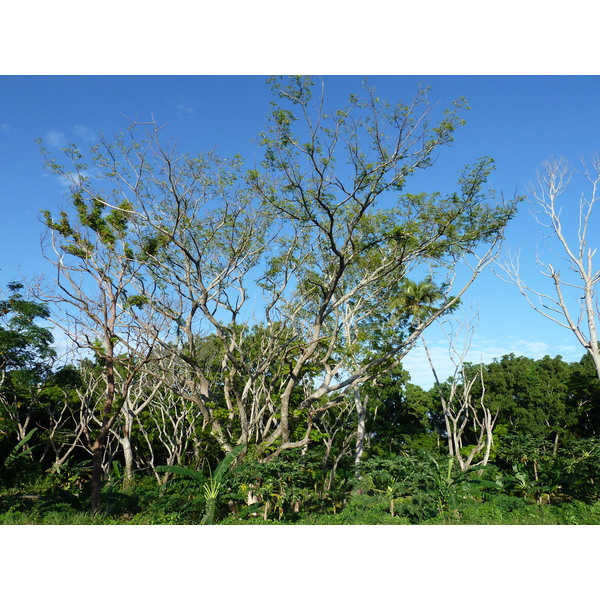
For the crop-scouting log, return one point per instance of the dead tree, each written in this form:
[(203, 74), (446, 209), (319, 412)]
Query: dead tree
[(571, 298)]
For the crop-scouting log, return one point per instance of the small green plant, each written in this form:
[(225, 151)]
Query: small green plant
[(212, 488), (528, 489), (394, 491), (19, 451), (72, 476), (212, 491), (12, 466)]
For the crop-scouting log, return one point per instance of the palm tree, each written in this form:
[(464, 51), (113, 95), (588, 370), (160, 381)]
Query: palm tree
[(419, 299)]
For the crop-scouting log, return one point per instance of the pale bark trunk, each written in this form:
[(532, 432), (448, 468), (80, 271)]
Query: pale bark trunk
[(361, 412), (125, 442), (442, 399)]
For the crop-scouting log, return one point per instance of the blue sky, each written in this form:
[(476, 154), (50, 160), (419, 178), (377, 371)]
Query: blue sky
[(518, 120)]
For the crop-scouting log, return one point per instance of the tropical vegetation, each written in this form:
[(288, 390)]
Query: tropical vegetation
[(236, 338)]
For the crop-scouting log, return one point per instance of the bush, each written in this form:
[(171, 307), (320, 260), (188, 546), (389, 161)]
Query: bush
[(180, 501)]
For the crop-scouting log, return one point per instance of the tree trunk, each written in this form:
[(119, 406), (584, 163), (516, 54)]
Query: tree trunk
[(98, 447), (128, 456), (97, 472), (361, 411), (125, 442), (442, 398)]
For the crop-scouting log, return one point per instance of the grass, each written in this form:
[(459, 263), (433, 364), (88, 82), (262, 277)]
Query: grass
[(531, 516), (182, 503)]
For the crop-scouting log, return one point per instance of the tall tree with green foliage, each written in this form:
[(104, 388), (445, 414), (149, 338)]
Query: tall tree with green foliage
[(339, 180), (311, 246), (584, 386), (94, 301), (533, 396), (26, 356)]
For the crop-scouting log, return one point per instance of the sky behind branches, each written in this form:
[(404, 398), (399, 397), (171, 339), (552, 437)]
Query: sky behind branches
[(520, 121)]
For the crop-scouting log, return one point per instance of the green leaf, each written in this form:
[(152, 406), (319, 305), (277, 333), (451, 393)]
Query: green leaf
[(15, 453), (226, 462), (179, 470)]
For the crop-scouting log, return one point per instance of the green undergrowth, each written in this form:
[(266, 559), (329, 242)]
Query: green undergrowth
[(570, 513), (449, 499)]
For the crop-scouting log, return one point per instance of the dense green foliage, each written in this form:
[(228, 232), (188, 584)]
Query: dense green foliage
[(540, 473)]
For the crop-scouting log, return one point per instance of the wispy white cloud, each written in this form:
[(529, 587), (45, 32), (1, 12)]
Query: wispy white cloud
[(85, 133), (72, 178), (56, 139), (569, 351), (184, 109)]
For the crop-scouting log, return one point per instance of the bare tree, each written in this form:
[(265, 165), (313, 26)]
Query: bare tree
[(333, 425), (68, 417), (76, 416), (139, 394), (468, 421), (571, 299), (171, 423)]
